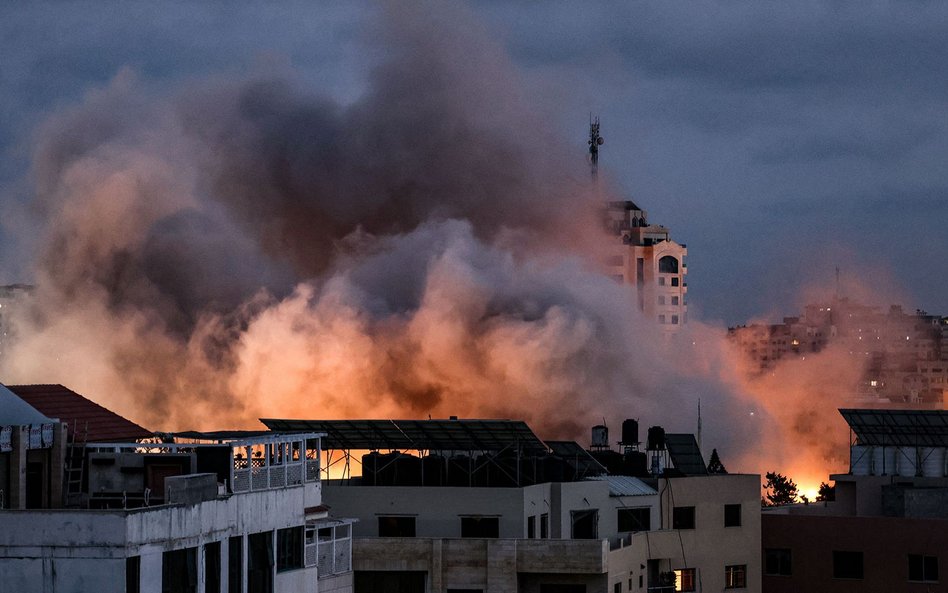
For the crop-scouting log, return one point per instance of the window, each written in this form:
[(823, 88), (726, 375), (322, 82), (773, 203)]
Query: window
[(668, 265), (133, 574), (531, 527), (635, 519), (661, 300), (617, 588), (396, 527), (674, 280), (674, 320), (544, 526), (923, 568), (235, 563), (179, 571), (685, 579), (289, 548), (661, 281), (482, 527), (675, 300), (732, 515), (212, 567), (661, 319), (683, 518), (260, 562), (585, 524), (777, 562), (847, 565), (735, 576)]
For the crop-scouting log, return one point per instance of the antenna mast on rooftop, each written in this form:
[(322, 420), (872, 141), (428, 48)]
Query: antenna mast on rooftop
[(595, 141)]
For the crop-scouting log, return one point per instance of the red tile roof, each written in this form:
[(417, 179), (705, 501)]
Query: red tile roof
[(57, 401)]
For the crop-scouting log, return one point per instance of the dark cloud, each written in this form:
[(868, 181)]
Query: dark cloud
[(711, 112)]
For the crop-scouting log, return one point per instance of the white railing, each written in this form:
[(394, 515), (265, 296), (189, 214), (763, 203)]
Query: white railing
[(330, 549)]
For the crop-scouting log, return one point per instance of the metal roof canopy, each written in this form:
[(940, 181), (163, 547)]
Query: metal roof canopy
[(417, 435), (908, 428)]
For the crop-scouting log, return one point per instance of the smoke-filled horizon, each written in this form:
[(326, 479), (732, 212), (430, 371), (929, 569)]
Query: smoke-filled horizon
[(244, 246)]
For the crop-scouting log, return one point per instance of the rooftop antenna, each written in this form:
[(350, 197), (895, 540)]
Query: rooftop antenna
[(595, 141), (699, 424)]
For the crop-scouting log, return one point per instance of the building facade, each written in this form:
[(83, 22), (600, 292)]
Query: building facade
[(904, 356), (646, 258), (887, 527), (433, 522), (205, 513)]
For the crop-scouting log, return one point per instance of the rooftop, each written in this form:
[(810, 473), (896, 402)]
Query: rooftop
[(418, 435), (94, 422)]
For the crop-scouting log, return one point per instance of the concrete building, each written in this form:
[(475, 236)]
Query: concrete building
[(643, 254), (190, 513), (887, 527), (485, 505), (648, 259), (904, 356)]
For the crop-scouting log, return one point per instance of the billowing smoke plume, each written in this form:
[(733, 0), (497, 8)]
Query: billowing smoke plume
[(233, 249)]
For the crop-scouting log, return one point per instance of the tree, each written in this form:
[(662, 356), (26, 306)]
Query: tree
[(781, 490), (826, 492), (715, 466)]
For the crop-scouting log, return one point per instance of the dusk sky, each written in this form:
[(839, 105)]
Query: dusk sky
[(777, 141)]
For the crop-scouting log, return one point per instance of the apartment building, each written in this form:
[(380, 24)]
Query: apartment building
[(485, 505), (138, 512), (886, 529)]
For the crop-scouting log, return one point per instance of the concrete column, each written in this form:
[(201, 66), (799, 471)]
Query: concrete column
[(436, 568), (19, 441), (57, 461), (502, 566)]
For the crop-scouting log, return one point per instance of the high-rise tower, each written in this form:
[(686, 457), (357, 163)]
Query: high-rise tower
[(645, 255)]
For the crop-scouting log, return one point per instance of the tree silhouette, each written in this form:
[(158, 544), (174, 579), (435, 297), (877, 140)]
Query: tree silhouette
[(715, 466), (826, 492), (781, 490)]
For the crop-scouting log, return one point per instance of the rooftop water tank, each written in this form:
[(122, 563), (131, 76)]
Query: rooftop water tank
[(600, 436)]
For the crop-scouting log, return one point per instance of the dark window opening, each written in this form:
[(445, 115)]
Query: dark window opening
[(289, 548), (847, 565), (544, 526), (675, 300), (732, 515), (585, 524), (674, 320), (212, 567), (482, 527), (235, 564), (668, 265), (674, 280), (683, 518), (735, 576), (389, 581), (396, 527), (531, 526), (635, 519), (777, 562), (556, 588), (617, 588), (133, 574), (179, 571), (923, 568), (260, 562)]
